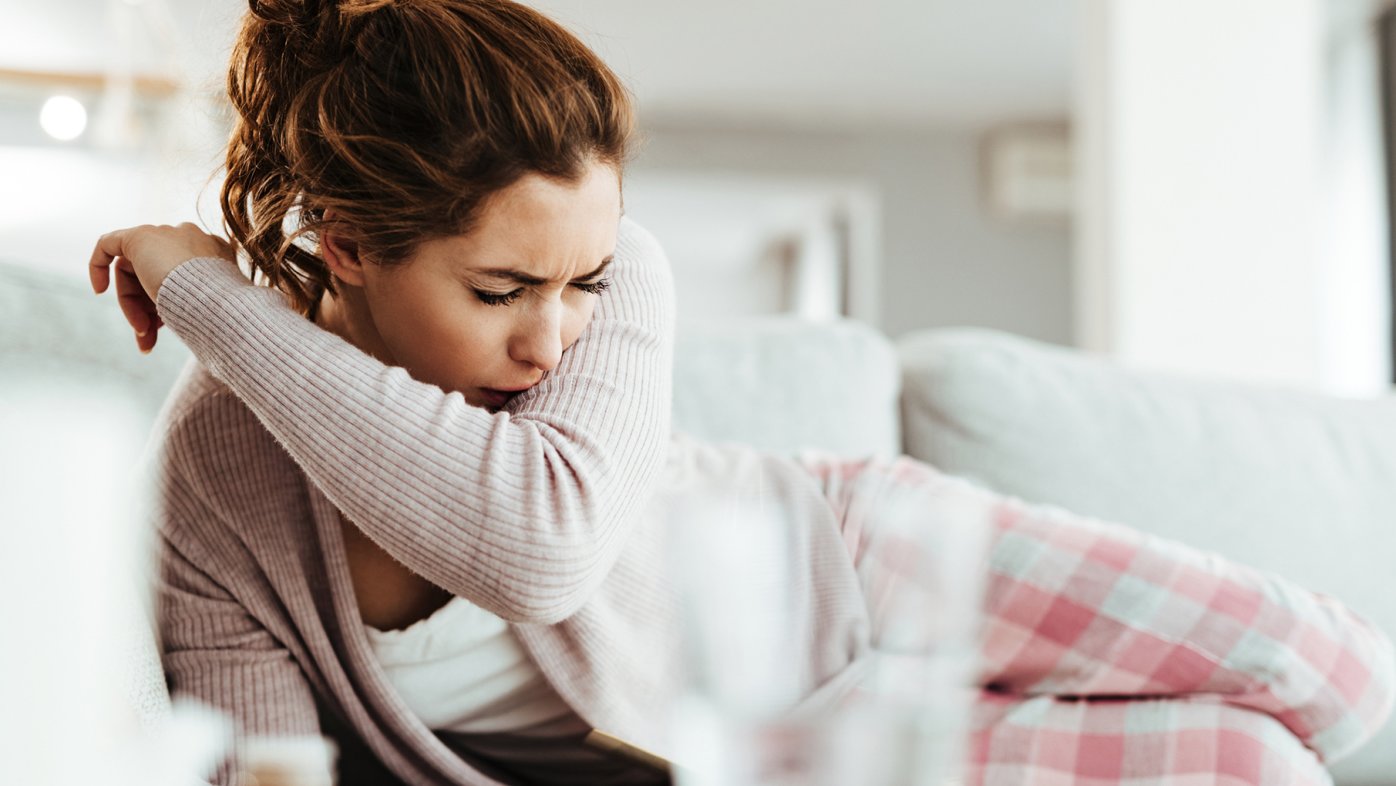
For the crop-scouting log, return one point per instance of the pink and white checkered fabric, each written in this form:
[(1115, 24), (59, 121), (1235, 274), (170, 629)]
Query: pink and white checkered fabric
[(1111, 656), (1185, 741)]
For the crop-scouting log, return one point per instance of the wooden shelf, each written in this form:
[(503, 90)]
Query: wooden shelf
[(149, 86)]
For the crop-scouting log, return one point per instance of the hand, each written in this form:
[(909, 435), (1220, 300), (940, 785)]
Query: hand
[(144, 255)]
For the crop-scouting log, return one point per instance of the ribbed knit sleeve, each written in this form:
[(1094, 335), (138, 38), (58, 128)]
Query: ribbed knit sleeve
[(215, 651), (212, 647), (522, 512)]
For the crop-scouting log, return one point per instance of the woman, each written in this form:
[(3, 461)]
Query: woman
[(413, 491)]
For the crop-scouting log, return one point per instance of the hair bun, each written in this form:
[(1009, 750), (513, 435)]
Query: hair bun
[(352, 8), (308, 14), (298, 15), (320, 31)]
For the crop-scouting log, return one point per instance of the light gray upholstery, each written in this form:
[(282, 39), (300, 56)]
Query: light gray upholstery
[(784, 383)]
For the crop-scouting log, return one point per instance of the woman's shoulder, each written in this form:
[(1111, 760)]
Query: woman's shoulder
[(208, 440), (200, 408), (227, 496), (230, 506)]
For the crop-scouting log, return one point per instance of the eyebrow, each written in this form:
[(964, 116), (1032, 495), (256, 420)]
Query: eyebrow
[(534, 281)]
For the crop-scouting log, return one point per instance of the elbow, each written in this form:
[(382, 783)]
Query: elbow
[(540, 615), (544, 609), (582, 546), (580, 557), (551, 599)]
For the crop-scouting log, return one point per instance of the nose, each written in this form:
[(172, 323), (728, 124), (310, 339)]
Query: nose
[(537, 339)]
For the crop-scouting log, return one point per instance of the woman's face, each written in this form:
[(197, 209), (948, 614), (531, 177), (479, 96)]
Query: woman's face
[(487, 313)]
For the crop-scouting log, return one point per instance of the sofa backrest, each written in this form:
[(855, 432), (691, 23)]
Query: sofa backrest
[(785, 383)]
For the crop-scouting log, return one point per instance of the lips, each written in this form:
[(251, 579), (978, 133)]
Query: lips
[(498, 398)]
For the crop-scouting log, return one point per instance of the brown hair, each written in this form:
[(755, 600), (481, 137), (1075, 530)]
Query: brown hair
[(403, 117)]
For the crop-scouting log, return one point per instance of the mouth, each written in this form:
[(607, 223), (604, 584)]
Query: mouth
[(495, 399)]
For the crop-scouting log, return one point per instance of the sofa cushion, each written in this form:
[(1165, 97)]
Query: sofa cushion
[(79, 399), (1290, 482), (52, 325), (785, 383)]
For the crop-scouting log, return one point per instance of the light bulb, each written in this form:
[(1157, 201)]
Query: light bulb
[(63, 117)]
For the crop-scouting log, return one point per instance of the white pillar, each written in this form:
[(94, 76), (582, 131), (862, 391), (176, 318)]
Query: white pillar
[(1355, 295), (1199, 128)]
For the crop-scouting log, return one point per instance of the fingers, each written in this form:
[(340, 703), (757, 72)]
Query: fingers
[(156, 250), (98, 267), (147, 342), (135, 304)]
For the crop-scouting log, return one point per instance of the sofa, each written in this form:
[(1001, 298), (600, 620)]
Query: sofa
[(1283, 480), (1295, 483)]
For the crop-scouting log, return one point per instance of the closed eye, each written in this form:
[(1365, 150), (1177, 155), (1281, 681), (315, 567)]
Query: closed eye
[(497, 299), (594, 287)]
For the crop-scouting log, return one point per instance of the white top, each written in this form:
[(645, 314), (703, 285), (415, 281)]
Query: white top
[(462, 670)]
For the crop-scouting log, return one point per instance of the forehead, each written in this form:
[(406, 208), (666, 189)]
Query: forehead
[(551, 229)]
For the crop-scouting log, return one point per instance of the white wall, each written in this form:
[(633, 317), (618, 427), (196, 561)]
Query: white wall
[(744, 245), (1201, 159), (945, 260), (58, 202)]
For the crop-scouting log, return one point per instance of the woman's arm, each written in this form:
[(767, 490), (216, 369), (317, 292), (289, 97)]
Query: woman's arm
[(522, 512), (213, 650)]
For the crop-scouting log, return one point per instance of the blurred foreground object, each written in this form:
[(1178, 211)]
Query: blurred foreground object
[(904, 723)]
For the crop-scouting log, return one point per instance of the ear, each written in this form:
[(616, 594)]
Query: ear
[(341, 254)]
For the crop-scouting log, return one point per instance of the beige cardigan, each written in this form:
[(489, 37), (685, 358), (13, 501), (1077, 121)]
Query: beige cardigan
[(545, 514)]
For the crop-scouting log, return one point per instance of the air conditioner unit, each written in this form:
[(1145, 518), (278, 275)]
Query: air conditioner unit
[(1029, 174)]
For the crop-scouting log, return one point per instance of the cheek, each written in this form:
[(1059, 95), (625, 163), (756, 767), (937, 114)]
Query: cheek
[(445, 333), (577, 320), (466, 351), (477, 333)]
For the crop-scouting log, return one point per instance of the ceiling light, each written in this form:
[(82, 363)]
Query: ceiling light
[(63, 117)]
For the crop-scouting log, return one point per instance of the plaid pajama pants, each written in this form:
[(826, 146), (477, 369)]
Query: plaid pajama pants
[(1112, 656)]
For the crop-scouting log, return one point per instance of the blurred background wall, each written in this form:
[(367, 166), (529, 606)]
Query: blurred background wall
[(779, 138), (891, 100), (1193, 186)]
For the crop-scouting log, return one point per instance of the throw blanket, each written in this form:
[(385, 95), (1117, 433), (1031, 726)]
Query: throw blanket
[(1111, 655)]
